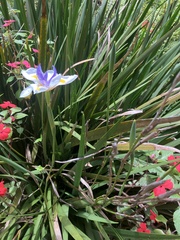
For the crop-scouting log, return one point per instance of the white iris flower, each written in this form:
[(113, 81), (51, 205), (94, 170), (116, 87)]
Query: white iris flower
[(43, 82)]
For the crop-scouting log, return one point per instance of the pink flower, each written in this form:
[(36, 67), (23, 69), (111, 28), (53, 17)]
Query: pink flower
[(3, 190), (152, 216), (143, 228), (163, 187), (13, 64), (170, 158), (4, 132), (35, 50), (30, 35), (7, 104), (13, 119), (17, 64), (26, 63), (8, 23)]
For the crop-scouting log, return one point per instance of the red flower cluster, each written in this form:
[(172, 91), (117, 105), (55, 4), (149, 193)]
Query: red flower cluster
[(13, 64), (7, 104), (3, 190), (8, 23), (171, 158), (17, 64), (4, 132), (143, 228), (163, 187), (153, 216)]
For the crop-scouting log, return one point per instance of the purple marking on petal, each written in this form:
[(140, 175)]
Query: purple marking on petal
[(46, 79), (41, 75), (55, 72)]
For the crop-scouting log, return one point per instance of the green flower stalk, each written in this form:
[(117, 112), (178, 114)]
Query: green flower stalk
[(43, 37)]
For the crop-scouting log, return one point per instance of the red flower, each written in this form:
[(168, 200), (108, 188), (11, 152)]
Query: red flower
[(26, 63), (152, 216), (13, 64), (163, 187), (30, 35), (3, 190), (17, 64), (170, 158), (8, 22), (7, 104), (4, 132), (143, 228)]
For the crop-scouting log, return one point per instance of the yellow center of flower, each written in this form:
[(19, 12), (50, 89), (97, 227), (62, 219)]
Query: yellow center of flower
[(38, 87), (35, 76), (62, 81)]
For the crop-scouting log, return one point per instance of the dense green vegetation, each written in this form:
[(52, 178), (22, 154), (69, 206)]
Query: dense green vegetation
[(97, 158)]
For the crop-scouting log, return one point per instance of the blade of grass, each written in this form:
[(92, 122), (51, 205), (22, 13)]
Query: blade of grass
[(66, 223), (80, 164)]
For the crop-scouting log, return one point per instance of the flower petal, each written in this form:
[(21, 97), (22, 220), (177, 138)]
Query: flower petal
[(178, 168), (171, 157), (44, 81), (26, 92), (153, 215), (159, 190), (3, 190), (7, 104), (67, 79), (143, 228), (51, 74), (55, 81), (34, 50), (41, 76), (30, 74), (168, 184), (36, 88), (26, 63)]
